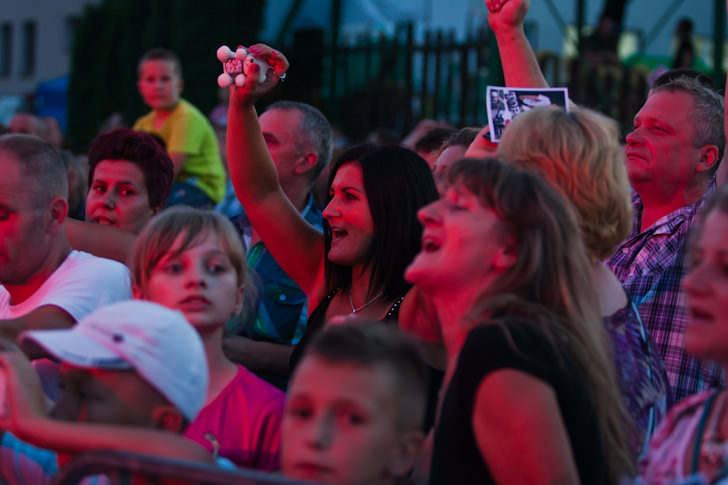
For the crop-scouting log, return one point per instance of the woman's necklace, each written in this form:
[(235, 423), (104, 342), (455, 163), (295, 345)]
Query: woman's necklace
[(356, 309)]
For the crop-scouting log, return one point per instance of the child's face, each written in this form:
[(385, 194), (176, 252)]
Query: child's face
[(106, 396), (159, 84), (706, 290), (339, 425), (201, 282)]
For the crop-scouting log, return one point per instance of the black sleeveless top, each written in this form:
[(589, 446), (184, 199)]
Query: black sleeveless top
[(316, 322), (522, 346)]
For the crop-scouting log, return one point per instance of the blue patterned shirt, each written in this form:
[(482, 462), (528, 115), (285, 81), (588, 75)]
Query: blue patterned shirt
[(22, 463), (279, 312), (640, 372), (651, 266)]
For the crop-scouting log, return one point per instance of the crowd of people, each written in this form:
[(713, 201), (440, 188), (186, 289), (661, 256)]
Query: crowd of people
[(546, 309)]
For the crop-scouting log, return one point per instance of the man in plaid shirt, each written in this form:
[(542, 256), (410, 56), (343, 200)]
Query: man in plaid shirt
[(673, 154)]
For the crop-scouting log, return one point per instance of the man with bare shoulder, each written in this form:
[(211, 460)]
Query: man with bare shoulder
[(43, 283)]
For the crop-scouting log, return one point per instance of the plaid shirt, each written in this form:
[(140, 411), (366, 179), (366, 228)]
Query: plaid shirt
[(650, 265)]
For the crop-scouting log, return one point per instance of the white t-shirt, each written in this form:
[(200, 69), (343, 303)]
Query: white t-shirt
[(81, 284)]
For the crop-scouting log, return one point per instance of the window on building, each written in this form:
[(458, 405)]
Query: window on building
[(27, 66), (6, 49)]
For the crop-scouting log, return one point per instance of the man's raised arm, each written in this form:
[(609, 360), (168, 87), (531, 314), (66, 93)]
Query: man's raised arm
[(520, 66)]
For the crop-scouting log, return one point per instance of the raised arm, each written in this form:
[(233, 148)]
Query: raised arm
[(296, 245), (520, 66)]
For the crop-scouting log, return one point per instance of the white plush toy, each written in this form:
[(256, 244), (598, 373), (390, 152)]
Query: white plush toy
[(236, 66)]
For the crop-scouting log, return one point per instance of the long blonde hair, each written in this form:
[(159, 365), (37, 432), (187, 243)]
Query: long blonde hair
[(579, 154), (549, 285)]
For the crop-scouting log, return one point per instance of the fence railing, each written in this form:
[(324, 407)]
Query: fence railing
[(390, 83)]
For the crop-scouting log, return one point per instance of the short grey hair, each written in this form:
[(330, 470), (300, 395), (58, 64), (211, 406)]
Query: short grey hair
[(707, 113), (314, 132), (40, 163)]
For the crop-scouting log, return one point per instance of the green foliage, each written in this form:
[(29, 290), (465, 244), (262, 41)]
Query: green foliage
[(112, 37)]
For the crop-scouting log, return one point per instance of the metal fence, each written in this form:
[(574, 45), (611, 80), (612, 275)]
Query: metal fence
[(389, 83)]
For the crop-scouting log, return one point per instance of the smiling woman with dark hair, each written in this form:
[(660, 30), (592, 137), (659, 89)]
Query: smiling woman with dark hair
[(370, 227), (395, 182)]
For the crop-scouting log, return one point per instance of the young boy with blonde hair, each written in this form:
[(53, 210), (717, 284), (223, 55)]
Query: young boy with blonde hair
[(188, 134), (356, 406)]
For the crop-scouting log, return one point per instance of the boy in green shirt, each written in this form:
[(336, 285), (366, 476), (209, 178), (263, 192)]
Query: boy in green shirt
[(189, 136)]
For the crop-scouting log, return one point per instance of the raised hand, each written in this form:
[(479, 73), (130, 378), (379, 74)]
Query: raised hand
[(278, 65), (482, 146), (504, 15)]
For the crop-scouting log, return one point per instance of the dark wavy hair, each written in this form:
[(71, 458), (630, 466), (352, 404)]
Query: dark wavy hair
[(397, 183), (142, 150)]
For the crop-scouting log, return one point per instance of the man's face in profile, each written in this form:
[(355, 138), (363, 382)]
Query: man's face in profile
[(22, 223)]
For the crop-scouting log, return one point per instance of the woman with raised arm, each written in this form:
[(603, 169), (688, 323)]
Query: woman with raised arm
[(370, 229), (530, 393)]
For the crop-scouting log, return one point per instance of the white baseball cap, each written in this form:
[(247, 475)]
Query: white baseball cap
[(156, 342)]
